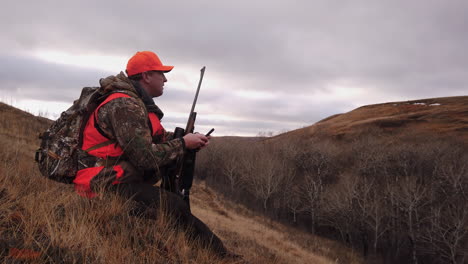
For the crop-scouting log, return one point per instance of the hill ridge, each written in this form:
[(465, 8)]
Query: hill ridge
[(443, 115)]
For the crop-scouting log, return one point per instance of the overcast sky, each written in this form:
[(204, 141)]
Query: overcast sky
[(270, 65)]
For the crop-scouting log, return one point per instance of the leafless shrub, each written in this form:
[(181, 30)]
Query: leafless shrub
[(264, 173), (386, 192)]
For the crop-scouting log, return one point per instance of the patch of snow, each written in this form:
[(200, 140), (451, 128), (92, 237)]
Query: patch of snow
[(434, 104), (419, 104)]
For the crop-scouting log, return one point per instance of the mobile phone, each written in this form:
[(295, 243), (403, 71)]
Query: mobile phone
[(209, 133)]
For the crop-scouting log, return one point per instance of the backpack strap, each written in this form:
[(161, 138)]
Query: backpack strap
[(102, 101), (100, 145), (96, 100)]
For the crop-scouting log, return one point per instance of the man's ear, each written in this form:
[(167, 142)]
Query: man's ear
[(145, 77)]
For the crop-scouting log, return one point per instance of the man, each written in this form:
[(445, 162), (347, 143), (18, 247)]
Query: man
[(125, 147)]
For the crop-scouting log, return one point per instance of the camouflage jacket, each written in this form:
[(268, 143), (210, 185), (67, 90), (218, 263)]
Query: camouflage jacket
[(125, 120)]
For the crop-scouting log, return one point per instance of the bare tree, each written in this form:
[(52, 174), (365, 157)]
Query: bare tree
[(370, 196), (448, 219), (207, 160), (231, 168), (312, 191), (452, 171), (412, 197), (266, 173), (316, 165), (447, 234), (339, 212), (376, 215), (293, 201)]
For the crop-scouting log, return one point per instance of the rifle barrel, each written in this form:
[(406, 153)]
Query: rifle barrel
[(202, 72)]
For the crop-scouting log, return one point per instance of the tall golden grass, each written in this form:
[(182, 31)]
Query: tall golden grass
[(47, 217)]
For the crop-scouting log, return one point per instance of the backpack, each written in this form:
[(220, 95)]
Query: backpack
[(57, 156)]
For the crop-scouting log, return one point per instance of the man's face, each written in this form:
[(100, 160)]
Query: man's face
[(154, 83)]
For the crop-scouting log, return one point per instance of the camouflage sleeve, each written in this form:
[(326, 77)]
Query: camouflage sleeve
[(125, 119), (168, 135), (165, 136)]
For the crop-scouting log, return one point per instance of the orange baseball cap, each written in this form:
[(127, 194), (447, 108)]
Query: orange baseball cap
[(144, 61)]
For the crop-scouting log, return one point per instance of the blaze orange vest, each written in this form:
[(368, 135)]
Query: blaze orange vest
[(96, 144)]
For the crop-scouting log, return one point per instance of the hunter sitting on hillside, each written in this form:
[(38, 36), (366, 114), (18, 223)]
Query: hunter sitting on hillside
[(128, 149)]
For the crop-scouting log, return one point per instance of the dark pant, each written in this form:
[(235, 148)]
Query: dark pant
[(150, 199)]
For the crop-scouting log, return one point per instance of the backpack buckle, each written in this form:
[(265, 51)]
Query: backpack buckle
[(38, 157)]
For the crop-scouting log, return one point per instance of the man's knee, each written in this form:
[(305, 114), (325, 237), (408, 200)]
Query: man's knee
[(175, 204)]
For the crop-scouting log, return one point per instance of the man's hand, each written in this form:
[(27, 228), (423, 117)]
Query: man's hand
[(196, 141)]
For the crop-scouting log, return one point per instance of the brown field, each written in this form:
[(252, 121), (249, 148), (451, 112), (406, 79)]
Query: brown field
[(428, 117), (45, 222)]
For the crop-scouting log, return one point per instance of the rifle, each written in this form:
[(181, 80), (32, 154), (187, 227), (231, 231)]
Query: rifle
[(179, 177)]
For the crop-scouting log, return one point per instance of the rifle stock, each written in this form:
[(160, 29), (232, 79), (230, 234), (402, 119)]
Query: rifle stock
[(170, 179)]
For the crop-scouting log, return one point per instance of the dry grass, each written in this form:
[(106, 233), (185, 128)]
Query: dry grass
[(48, 218), (446, 116), (262, 240), (46, 222)]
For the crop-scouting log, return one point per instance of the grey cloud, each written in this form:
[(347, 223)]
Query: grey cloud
[(267, 43), (400, 49), (30, 78), (272, 114)]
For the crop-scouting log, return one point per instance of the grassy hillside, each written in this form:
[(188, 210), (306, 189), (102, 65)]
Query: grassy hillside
[(443, 117), (389, 180), (46, 222)]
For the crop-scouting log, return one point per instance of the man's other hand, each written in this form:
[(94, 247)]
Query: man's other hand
[(196, 141)]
